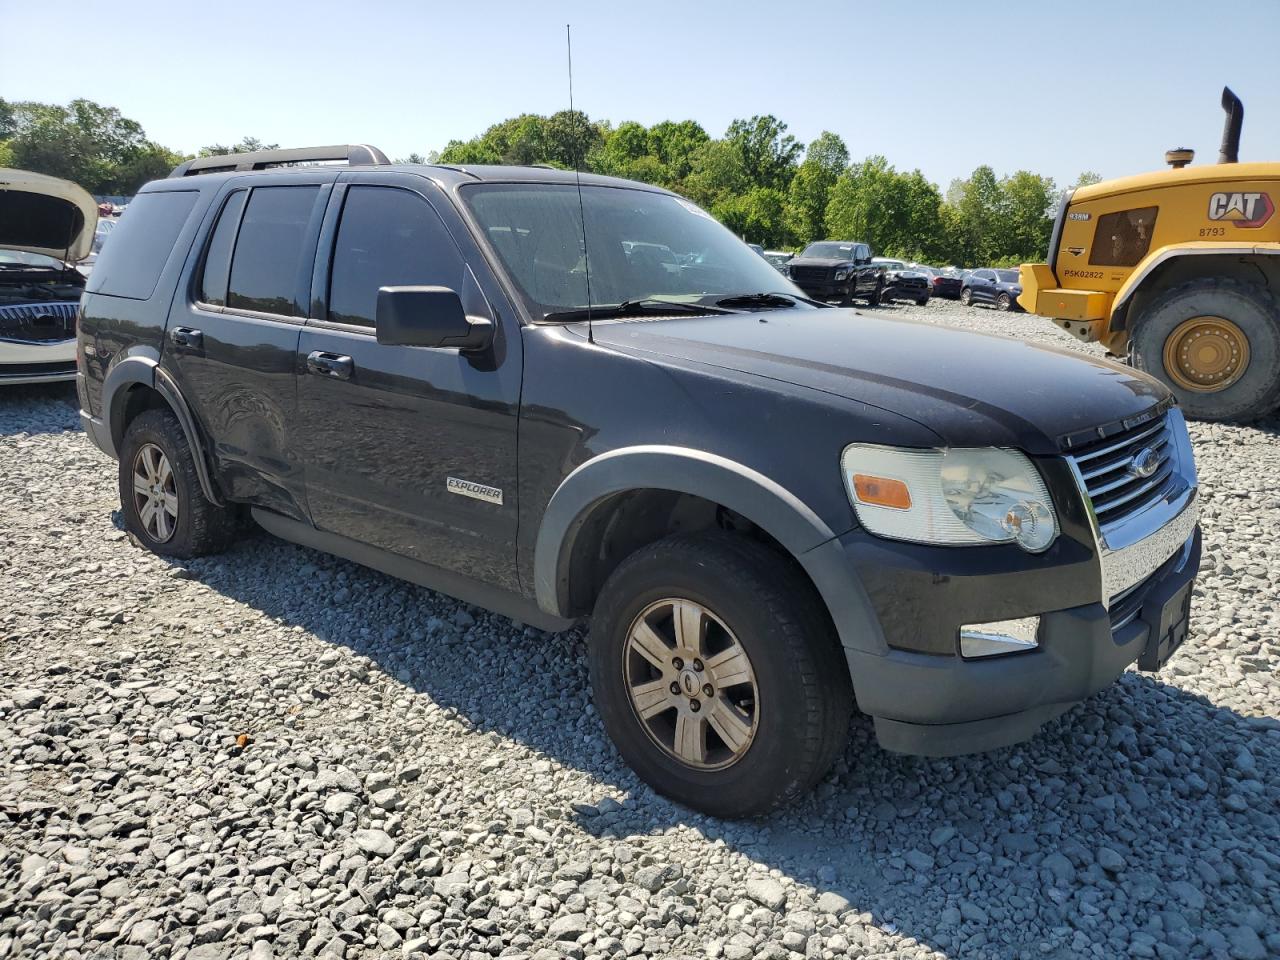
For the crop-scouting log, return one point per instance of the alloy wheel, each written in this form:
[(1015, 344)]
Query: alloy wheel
[(155, 492), (691, 684)]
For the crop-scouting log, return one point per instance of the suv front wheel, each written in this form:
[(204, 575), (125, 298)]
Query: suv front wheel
[(160, 496), (717, 675)]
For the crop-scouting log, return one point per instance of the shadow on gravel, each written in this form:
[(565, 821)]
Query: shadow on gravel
[(33, 408), (1147, 809)]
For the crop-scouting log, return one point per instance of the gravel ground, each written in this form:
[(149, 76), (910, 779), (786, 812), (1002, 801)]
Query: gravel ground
[(276, 753)]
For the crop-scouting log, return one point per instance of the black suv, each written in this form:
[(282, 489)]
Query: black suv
[(838, 270), (767, 511)]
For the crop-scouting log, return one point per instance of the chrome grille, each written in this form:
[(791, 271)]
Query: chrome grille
[(1109, 470), (811, 273), (38, 322)]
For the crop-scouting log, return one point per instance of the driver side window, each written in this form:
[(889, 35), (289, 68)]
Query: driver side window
[(387, 237)]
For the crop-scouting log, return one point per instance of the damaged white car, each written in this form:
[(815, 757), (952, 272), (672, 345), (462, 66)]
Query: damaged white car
[(46, 227)]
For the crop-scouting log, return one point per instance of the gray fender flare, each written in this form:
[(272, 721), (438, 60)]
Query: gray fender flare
[(762, 500), (143, 369)]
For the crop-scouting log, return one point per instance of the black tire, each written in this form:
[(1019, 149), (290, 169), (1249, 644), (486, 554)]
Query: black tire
[(878, 296), (804, 696), (922, 302), (201, 527), (1252, 308), (1004, 303), (966, 297)]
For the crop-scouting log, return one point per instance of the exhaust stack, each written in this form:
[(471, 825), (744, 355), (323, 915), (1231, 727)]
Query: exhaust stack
[(1230, 151)]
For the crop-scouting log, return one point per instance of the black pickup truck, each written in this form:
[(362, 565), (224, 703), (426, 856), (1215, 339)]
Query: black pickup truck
[(770, 510), (839, 271)]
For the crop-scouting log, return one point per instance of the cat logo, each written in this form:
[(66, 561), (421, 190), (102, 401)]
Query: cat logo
[(1242, 209)]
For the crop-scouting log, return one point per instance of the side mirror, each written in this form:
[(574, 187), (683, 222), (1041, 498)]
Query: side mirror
[(428, 317)]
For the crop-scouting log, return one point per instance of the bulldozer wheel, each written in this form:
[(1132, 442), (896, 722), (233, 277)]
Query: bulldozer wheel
[(1216, 344)]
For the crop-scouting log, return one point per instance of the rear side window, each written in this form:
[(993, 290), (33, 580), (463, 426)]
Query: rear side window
[(386, 238), (130, 265), (268, 260), (217, 261), (1122, 238)]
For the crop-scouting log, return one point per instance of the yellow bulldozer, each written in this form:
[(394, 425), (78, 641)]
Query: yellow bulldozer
[(1179, 271)]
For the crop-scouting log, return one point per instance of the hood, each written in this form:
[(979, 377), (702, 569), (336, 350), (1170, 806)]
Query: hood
[(45, 215), (972, 389), (818, 262)]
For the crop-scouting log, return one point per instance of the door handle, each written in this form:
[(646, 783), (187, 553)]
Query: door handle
[(187, 337), (330, 364)]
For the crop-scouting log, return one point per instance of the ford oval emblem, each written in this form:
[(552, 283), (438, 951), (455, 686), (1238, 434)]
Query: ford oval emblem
[(1145, 462)]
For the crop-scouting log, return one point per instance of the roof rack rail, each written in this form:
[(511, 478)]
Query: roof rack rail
[(352, 153)]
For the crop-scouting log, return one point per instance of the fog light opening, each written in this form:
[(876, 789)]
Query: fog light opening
[(999, 637)]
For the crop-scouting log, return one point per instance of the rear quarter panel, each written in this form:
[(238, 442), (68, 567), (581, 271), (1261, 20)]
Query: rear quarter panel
[(111, 328)]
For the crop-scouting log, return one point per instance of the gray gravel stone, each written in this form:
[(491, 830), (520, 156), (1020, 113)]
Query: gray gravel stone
[(767, 892), (200, 749)]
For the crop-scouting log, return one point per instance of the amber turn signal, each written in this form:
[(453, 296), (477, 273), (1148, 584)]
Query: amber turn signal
[(881, 491)]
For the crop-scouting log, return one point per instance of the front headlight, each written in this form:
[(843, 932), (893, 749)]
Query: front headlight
[(959, 496), (842, 275)]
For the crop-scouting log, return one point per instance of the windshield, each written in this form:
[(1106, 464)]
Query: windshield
[(642, 245), (1007, 276), (27, 259), (890, 264), (829, 251)]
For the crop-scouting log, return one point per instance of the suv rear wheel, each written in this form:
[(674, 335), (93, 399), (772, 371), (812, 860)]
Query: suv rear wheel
[(716, 674), (160, 496), (1216, 343), (966, 297)]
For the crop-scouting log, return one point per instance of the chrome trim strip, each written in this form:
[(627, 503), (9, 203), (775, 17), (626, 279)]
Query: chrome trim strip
[(1092, 454), (1166, 471), (1122, 569)]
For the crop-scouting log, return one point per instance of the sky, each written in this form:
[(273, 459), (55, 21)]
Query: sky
[(1056, 88)]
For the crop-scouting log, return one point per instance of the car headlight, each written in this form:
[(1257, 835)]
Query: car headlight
[(842, 275), (959, 496)]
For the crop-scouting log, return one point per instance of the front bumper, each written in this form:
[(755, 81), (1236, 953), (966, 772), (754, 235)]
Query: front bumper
[(826, 289), (37, 362), (944, 705), (1105, 602)]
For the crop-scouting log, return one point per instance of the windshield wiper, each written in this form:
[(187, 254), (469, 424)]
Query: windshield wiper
[(758, 300), (629, 308)]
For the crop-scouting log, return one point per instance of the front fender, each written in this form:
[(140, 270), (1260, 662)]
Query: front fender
[(1162, 255), (776, 510)]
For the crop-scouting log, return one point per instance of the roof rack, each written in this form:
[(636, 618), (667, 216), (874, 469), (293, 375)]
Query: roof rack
[(352, 153)]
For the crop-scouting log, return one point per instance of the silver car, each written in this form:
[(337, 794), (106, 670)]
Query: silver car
[(46, 227)]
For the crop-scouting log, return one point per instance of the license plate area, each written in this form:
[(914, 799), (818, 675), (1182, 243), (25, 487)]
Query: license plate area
[(1167, 612)]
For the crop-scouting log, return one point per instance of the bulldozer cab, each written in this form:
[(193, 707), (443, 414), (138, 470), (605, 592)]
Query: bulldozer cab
[(1177, 270)]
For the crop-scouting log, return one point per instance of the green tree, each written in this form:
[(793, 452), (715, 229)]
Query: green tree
[(1026, 219), (769, 153), (756, 216), (149, 162), (83, 142), (979, 205), (717, 172), (675, 145), (569, 137), (247, 145), (806, 206)]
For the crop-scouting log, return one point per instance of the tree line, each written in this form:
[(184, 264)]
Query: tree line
[(757, 178)]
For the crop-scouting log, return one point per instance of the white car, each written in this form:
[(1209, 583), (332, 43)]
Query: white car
[(46, 227)]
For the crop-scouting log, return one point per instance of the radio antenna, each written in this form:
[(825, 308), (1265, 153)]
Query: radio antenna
[(577, 177)]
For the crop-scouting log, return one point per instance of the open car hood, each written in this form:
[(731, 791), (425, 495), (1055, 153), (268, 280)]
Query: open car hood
[(41, 214)]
